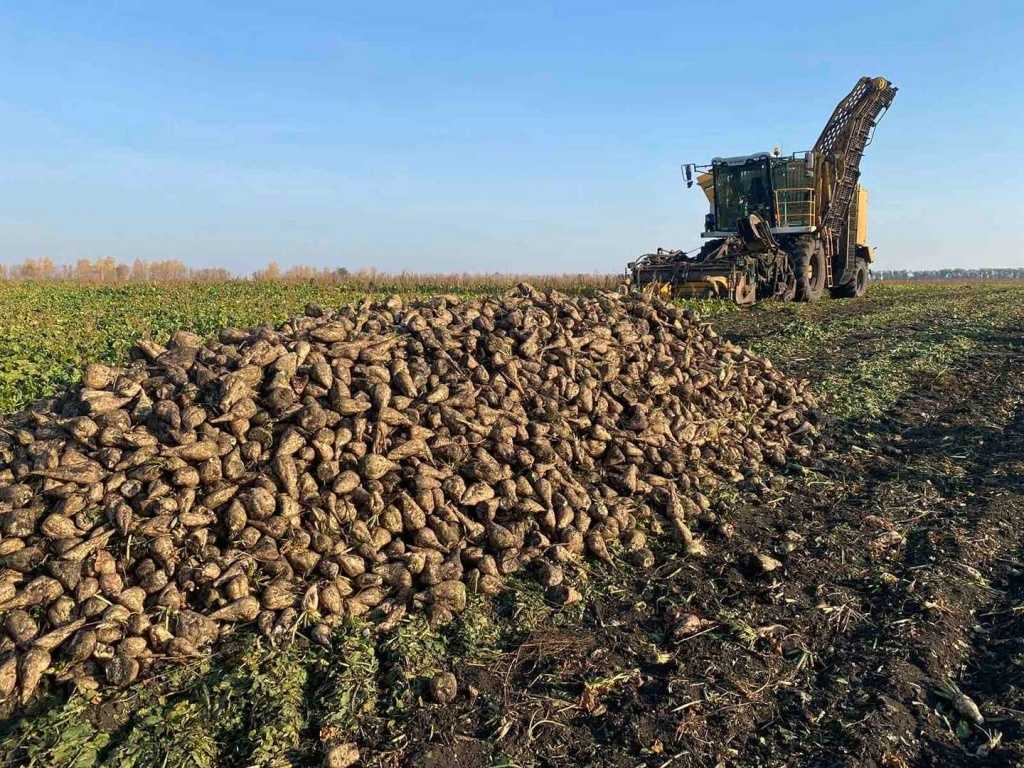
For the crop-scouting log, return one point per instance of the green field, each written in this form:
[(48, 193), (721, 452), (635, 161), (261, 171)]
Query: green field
[(899, 360), (48, 331)]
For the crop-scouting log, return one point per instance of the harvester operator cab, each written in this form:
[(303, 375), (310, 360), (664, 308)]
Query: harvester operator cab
[(778, 189)]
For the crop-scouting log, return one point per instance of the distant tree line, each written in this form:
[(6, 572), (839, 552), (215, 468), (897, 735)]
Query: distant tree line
[(106, 271), (987, 273)]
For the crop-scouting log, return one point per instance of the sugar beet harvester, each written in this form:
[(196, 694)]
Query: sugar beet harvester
[(782, 227)]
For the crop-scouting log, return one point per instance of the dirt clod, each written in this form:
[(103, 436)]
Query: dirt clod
[(443, 687), (341, 756), (761, 563)]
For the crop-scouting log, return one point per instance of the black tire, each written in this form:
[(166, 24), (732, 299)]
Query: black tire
[(858, 286), (810, 270)]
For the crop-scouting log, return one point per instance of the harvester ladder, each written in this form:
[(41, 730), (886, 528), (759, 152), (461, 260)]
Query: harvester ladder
[(842, 145)]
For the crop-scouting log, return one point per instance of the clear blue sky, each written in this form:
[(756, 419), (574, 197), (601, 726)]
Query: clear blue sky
[(455, 136)]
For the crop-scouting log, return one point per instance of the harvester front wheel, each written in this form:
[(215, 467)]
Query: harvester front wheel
[(858, 286), (810, 270)]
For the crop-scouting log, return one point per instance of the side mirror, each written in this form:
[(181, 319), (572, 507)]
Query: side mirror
[(688, 173)]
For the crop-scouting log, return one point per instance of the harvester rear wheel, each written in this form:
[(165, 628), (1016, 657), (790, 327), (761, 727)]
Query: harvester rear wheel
[(810, 270), (858, 286)]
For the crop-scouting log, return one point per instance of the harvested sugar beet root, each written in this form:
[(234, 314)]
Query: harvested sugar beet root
[(379, 458)]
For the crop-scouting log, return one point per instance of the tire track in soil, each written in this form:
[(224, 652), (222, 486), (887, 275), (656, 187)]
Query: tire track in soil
[(994, 673), (875, 703)]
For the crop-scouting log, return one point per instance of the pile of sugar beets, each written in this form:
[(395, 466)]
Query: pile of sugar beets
[(384, 457)]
